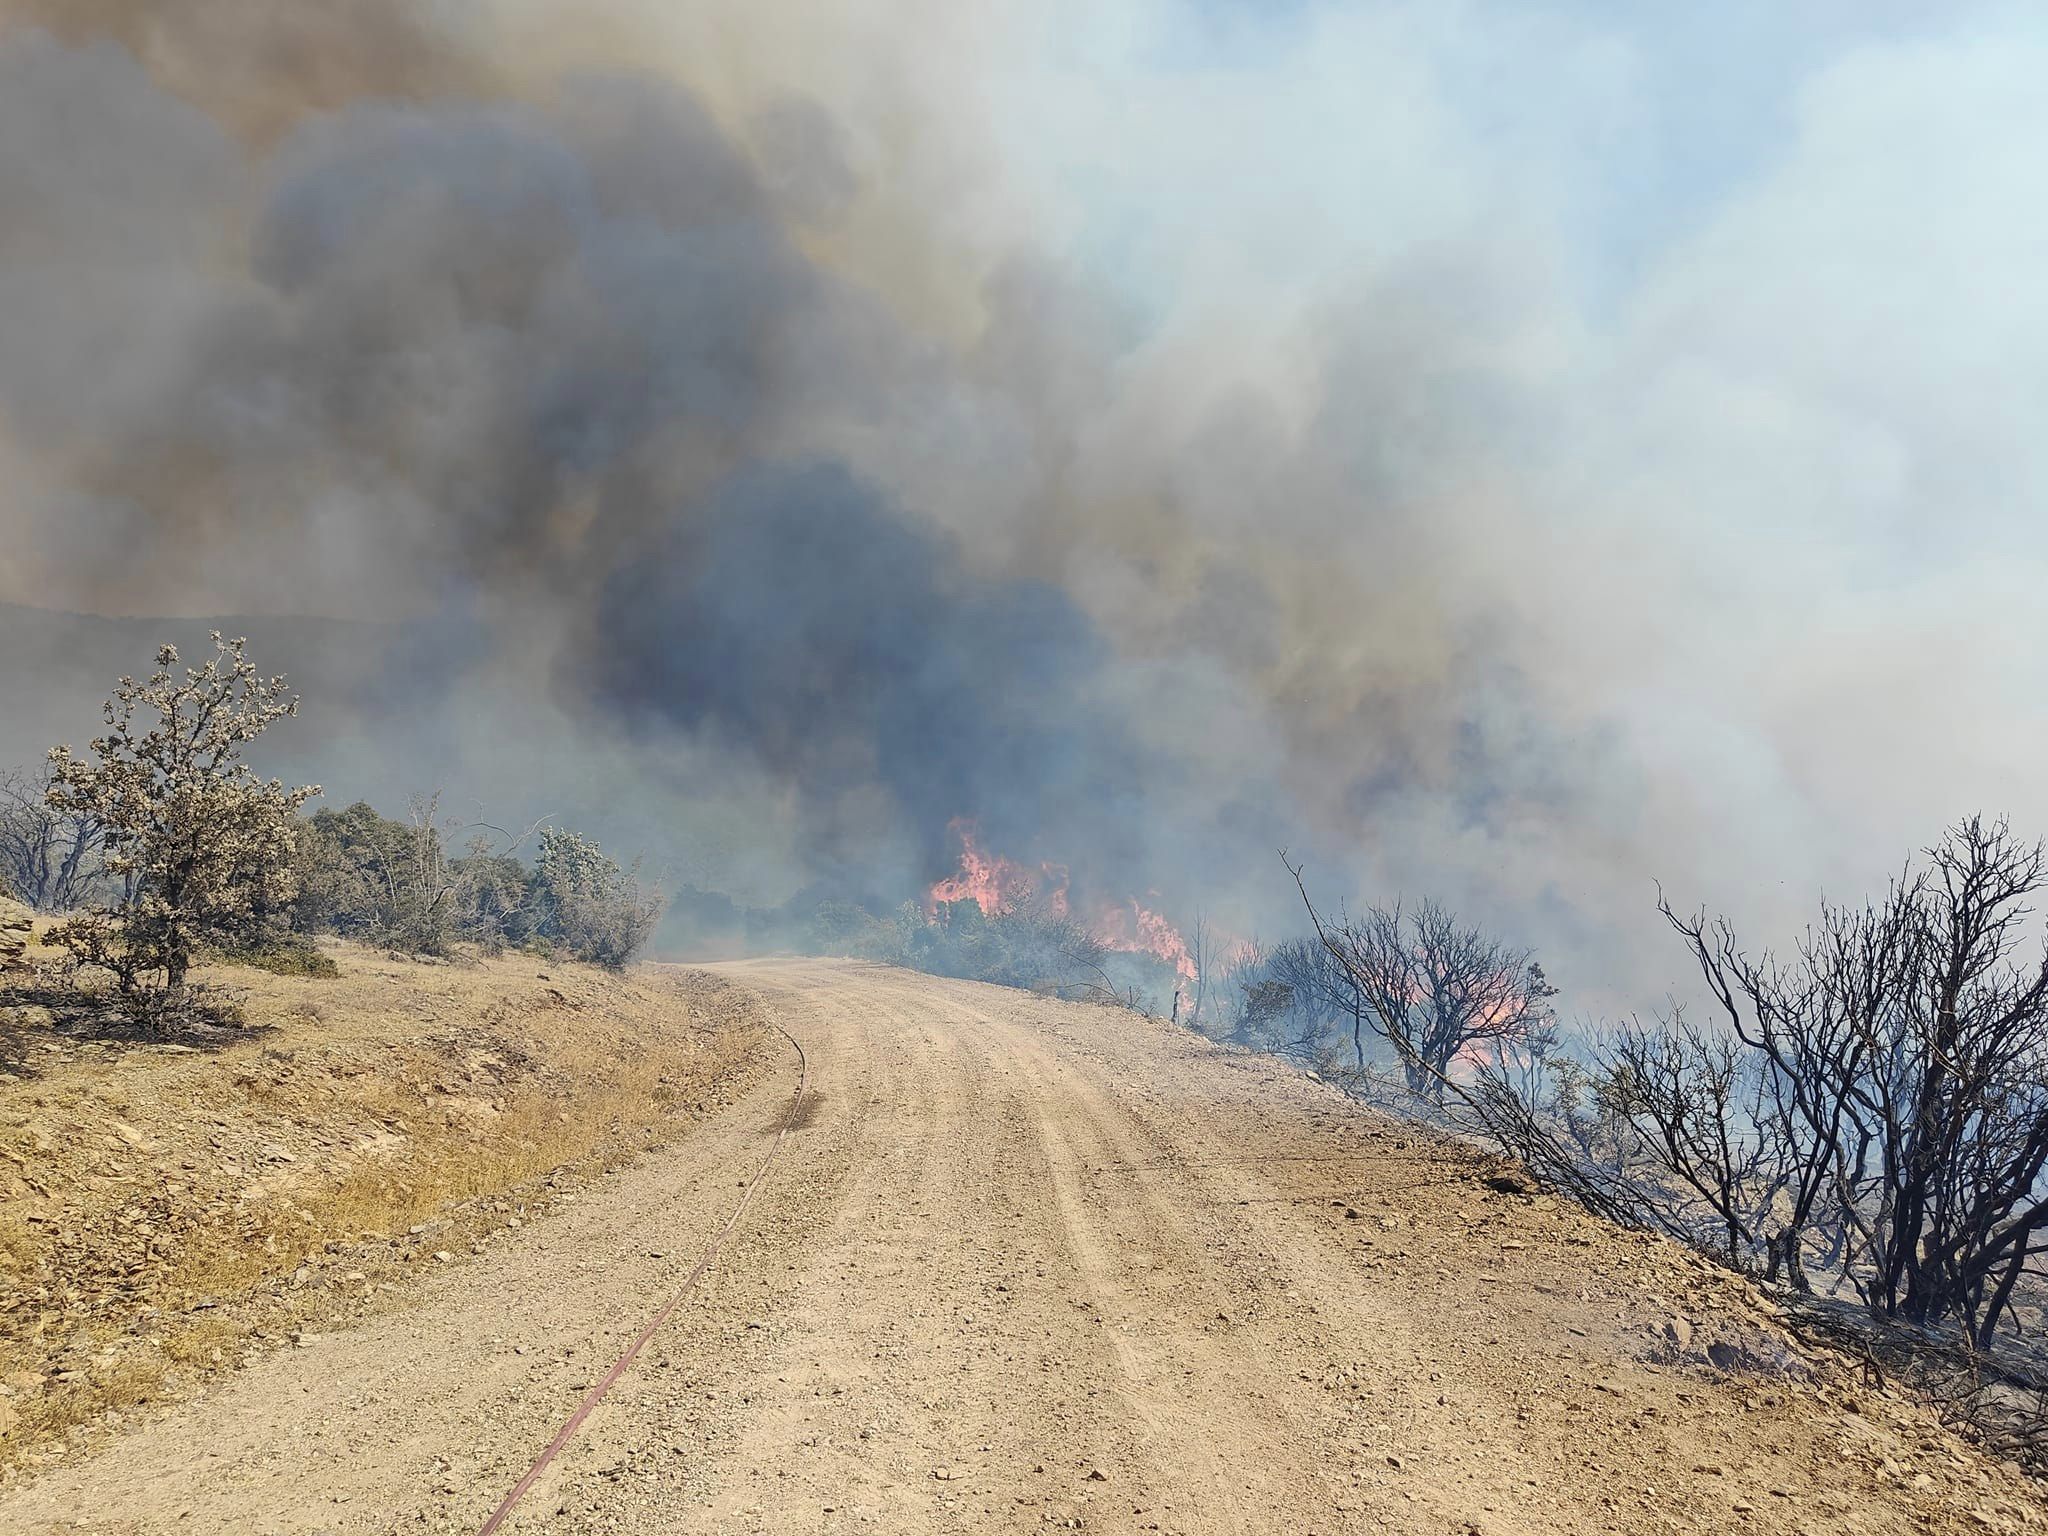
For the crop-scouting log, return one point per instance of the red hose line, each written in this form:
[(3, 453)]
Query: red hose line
[(596, 1394)]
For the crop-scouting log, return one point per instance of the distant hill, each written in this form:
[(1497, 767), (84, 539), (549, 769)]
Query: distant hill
[(56, 668), (392, 712)]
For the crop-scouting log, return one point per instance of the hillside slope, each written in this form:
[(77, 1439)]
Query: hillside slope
[(1027, 1265), (168, 1210)]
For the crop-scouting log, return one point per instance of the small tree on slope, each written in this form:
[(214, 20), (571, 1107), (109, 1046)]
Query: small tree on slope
[(586, 903), (201, 846)]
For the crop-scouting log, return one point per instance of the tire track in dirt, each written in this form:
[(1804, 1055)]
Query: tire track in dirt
[(931, 1308), (1155, 1290)]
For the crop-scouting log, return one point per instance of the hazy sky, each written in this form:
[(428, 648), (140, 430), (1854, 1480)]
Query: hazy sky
[(1509, 451)]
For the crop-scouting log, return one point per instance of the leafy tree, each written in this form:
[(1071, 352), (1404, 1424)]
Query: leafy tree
[(368, 877), (351, 866), (847, 928), (202, 846), (585, 902), (493, 897)]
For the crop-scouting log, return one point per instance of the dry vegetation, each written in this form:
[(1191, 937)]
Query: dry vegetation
[(169, 1210)]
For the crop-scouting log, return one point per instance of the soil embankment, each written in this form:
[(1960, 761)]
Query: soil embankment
[(168, 1212)]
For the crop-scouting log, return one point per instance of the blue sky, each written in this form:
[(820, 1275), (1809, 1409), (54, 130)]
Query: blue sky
[(1641, 120)]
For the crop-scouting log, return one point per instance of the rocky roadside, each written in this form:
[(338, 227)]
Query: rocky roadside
[(169, 1212)]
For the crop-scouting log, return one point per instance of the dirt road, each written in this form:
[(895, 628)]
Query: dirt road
[(1026, 1265)]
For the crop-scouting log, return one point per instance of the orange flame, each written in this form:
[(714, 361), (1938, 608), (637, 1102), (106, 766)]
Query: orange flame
[(994, 883), (1142, 931), (998, 885)]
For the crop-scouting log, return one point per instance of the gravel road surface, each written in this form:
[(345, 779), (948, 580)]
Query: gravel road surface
[(1026, 1265)]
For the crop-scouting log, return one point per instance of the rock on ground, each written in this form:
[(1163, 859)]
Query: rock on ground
[(16, 923)]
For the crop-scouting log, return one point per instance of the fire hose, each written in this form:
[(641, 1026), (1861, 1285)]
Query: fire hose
[(596, 1394)]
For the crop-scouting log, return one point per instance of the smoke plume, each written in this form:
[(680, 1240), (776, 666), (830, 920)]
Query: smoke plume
[(1454, 444)]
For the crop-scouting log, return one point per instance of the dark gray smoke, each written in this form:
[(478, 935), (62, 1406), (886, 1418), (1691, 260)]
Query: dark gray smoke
[(559, 372), (796, 618)]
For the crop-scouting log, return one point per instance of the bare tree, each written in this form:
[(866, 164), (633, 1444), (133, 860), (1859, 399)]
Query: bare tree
[(1874, 1106), (48, 858), (420, 888), (1438, 991), (1248, 1020), (1086, 953), (1323, 991), (1906, 1049), (1202, 956)]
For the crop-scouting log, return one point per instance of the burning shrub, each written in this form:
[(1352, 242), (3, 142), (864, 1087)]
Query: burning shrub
[(1437, 990), (1032, 946), (1015, 925)]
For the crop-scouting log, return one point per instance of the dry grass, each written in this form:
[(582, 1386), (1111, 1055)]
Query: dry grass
[(166, 1212)]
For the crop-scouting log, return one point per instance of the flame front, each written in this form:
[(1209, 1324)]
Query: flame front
[(998, 885), (1141, 931)]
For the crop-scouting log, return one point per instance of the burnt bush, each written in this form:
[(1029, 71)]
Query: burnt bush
[(1865, 1113), (1900, 1106)]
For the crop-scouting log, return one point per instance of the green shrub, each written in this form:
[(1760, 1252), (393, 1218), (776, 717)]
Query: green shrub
[(356, 874), (584, 903), (492, 899), (387, 882), (847, 928), (284, 958)]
